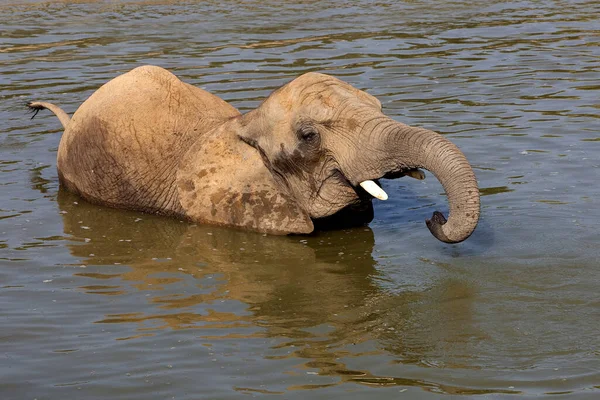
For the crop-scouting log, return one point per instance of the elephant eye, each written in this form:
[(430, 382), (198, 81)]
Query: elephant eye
[(308, 134)]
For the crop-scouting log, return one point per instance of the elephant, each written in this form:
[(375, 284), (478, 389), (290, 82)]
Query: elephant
[(309, 156)]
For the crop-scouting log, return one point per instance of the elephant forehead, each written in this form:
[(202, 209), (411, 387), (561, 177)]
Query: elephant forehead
[(328, 91), (320, 86)]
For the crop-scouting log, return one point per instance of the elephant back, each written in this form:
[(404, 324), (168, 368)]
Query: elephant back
[(124, 143)]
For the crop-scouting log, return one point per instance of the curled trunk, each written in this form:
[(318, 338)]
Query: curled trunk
[(406, 147)]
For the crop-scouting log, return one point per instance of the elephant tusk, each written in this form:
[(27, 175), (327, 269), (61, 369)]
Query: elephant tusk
[(374, 190)]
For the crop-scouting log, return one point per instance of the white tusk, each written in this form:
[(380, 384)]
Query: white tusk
[(374, 190)]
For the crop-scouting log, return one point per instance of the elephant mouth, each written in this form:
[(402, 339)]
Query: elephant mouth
[(354, 204), (373, 189), (357, 209), (370, 189), (352, 194)]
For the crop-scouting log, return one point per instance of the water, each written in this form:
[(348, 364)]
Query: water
[(102, 303)]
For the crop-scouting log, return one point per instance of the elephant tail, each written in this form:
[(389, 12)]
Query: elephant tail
[(36, 106)]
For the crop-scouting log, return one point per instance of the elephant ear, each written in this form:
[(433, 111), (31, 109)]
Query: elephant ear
[(222, 180)]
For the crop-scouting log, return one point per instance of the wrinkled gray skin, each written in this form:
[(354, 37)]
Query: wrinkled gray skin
[(147, 141)]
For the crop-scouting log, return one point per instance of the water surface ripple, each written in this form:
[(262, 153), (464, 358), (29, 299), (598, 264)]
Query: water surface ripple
[(102, 303)]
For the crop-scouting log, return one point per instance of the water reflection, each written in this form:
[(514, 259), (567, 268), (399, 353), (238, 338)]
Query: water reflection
[(334, 270), (321, 297)]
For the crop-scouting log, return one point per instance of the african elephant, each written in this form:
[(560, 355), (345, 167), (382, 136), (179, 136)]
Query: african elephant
[(310, 154)]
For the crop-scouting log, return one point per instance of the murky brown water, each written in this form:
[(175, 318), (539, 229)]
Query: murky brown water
[(100, 303)]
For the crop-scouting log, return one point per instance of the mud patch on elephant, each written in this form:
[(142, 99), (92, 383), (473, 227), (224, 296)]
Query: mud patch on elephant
[(279, 206), (218, 196), (201, 174), (352, 124), (274, 209), (296, 162), (187, 185)]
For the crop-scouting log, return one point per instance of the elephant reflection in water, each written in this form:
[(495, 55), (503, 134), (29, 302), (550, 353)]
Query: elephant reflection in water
[(289, 285)]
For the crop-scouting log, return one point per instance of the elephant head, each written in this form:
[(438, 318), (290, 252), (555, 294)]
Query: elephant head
[(305, 155)]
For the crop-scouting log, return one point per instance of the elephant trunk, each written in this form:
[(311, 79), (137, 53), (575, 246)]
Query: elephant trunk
[(406, 147)]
